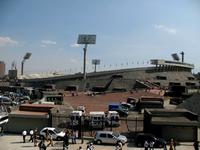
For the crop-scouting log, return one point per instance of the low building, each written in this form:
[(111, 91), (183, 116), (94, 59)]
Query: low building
[(179, 124), (29, 116)]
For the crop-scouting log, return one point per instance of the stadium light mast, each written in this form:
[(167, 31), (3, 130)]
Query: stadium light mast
[(27, 56), (86, 39), (95, 62)]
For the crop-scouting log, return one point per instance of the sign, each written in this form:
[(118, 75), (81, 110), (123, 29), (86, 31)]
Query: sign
[(86, 39), (95, 61)]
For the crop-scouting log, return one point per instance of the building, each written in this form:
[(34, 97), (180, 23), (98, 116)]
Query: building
[(179, 124), (2, 69), (29, 116)]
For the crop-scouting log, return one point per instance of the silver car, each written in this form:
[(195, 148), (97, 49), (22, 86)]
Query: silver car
[(109, 137)]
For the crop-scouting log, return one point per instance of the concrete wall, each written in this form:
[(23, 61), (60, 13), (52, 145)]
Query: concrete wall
[(18, 124)]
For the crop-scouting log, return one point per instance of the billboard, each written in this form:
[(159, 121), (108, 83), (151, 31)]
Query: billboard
[(86, 39), (95, 61)]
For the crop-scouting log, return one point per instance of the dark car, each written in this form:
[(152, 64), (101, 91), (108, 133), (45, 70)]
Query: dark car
[(142, 137)]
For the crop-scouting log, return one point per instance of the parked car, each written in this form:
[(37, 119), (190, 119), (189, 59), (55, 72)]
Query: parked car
[(128, 106), (109, 137), (7, 101), (56, 135), (142, 137), (119, 108)]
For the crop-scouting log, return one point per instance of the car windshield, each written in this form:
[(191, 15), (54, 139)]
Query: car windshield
[(56, 131), (116, 134)]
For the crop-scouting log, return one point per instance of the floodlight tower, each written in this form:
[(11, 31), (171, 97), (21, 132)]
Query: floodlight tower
[(95, 62), (182, 56), (27, 56), (86, 39)]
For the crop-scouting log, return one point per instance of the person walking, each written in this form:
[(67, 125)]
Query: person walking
[(31, 135), (35, 137), (80, 148), (49, 138), (196, 145), (42, 145), (66, 140), (24, 133)]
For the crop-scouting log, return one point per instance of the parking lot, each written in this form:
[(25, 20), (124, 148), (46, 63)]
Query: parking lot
[(15, 142)]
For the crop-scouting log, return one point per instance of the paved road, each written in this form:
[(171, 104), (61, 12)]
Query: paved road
[(14, 142)]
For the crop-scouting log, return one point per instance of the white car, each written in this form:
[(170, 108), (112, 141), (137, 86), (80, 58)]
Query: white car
[(55, 134), (109, 137)]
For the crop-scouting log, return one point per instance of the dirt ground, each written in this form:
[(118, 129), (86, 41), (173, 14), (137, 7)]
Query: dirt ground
[(100, 102)]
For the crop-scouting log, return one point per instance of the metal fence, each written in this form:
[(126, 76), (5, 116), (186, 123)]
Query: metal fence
[(128, 127)]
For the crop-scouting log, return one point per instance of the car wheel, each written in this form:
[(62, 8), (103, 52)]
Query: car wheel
[(58, 138), (160, 145), (99, 142), (139, 144)]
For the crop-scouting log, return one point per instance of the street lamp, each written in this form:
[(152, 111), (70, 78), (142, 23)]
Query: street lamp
[(27, 56)]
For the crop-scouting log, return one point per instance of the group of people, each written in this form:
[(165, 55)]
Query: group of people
[(25, 133), (148, 145)]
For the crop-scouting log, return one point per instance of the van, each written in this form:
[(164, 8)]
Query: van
[(112, 118), (97, 119), (75, 117)]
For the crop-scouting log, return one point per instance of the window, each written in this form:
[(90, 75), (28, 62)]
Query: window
[(110, 136), (103, 135)]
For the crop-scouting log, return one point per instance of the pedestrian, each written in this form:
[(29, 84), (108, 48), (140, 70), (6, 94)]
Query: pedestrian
[(88, 147), (42, 145), (118, 147), (24, 133), (35, 137), (196, 145), (91, 146), (165, 147), (31, 135), (151, 145), (80, 148), (146, 145), (171, 145), (49, 138), (66, 140), (73, 134), (175, 143)]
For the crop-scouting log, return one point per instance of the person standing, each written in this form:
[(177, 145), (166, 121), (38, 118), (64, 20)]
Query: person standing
[(73, 134), (146, 145), (151, 145), (24, 133), (35, 137), (196, 145), (171, 146), (31, 135), (66, 140)]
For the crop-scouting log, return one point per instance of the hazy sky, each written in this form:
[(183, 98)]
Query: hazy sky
[(129, 32)]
